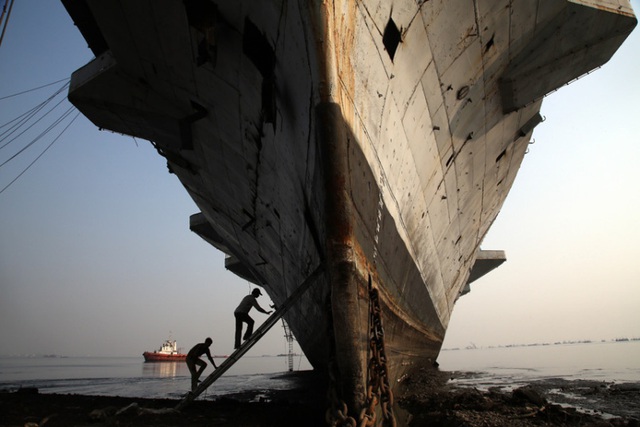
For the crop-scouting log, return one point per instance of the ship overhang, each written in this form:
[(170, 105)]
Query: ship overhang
[(560, 50), (199, 224), (486, 261)]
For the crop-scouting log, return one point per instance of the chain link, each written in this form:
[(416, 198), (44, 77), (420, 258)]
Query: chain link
[(378, 389), (336, 415)]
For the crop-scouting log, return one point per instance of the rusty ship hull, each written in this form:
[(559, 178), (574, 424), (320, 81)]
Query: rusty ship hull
[(375, 140)]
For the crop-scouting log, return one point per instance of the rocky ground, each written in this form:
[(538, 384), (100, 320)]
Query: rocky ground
[(430, 400), (423, 398)]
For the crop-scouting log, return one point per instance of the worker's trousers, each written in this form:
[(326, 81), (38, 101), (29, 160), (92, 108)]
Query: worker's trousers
[(243, 318)]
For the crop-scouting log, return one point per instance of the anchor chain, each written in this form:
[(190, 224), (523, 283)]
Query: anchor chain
[(337, 413), (378, 389)]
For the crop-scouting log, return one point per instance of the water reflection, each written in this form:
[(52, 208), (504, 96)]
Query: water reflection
[(164, 369)]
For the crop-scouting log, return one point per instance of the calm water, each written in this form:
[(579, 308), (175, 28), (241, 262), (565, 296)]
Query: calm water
[(602, 361), (131, 377)]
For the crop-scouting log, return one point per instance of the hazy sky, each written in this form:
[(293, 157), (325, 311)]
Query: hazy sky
[(96, 256)]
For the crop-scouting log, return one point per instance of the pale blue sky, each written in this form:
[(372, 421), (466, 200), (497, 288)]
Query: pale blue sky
[(96, 257)]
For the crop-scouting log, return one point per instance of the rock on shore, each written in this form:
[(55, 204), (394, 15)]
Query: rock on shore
[(431, 400)]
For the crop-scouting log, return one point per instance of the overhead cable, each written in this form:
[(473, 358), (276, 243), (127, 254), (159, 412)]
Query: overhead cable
[(5, 22), (24, 120), (16, 129), (34, 89), (41, 154), (26, 116), (43, 133)]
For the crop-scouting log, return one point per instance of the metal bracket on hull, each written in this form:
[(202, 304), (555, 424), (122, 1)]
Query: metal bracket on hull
[(485, 262), (257, 335)]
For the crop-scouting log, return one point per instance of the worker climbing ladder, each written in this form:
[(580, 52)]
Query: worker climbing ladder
[(259, 333)]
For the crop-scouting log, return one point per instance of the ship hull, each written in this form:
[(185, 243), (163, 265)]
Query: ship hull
[(159, 357), (379, 142)]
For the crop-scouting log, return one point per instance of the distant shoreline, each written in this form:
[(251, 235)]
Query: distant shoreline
[(223, 356), (473, 346)]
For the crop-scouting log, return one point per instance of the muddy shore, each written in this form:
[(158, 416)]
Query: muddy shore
[(425, 397)]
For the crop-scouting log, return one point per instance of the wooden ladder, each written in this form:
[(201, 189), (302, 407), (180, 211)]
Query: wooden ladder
[(259, 333)]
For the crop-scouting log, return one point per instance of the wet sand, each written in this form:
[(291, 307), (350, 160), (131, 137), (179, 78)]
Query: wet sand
[(423, 398)]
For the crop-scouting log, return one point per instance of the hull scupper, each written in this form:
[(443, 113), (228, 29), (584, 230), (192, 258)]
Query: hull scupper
[(379, 140)]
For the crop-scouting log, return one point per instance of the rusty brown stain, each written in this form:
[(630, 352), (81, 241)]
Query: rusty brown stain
[(334, 27), (321, 22), (345, 35), (335, 31)]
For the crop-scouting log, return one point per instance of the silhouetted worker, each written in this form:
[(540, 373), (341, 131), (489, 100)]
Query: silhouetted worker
[(193, 359), (242, 315)]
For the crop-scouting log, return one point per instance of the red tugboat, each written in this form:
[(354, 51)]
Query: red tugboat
[(167, 353)]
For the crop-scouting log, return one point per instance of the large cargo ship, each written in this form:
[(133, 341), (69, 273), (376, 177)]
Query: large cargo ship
[(367, 144)]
